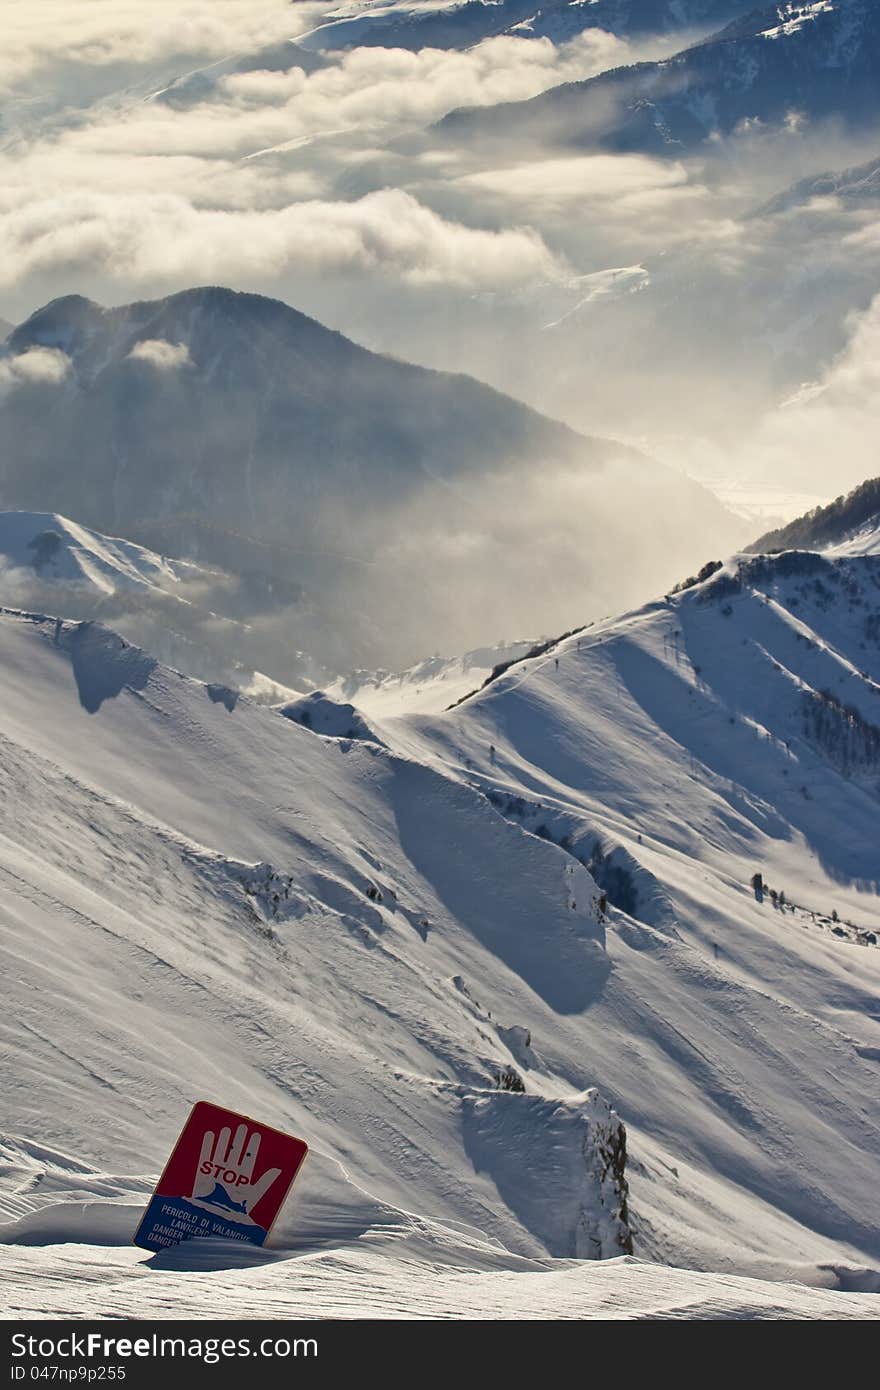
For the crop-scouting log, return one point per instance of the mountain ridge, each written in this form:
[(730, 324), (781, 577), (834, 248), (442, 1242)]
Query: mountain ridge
[(822, 67), (853, 517), (464, 24), (557, 877), (229, 429)]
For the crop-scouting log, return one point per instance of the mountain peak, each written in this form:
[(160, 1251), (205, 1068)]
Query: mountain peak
[(226, 427), (63, 323), (221, 298), (72, 320), (68, 306)]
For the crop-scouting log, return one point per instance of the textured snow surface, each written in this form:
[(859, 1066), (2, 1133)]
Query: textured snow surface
[(352, 938), (48, 547), (866, 541), (370, 1283), (339, 1254)]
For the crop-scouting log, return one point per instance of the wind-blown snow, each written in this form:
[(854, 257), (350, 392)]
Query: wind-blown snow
[(429, 687)]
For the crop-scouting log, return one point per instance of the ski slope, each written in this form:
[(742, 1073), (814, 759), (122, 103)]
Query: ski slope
[(354, 937)]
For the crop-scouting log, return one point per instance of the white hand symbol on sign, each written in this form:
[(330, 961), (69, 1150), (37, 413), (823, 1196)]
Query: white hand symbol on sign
[(225, 1173)]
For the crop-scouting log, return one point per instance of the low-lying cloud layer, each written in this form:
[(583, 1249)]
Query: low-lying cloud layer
[(38, 366), (45, 39), (634, 295), (163, 241), (258, 173)]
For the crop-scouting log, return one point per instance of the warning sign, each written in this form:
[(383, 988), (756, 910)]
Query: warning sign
[(226, 1178)]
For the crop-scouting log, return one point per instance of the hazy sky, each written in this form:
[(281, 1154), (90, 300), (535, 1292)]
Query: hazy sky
[(150, 147)]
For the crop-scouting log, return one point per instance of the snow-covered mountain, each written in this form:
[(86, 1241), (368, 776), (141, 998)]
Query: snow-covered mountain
[(428, 687), (849, 524), (230, 429), (809, 62), (635, 875), (856, 187), (459, 25), (193, 617), (44, 546)]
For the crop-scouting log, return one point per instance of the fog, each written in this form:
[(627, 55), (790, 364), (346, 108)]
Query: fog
[(363, 511), (514, 554), (679, 303)]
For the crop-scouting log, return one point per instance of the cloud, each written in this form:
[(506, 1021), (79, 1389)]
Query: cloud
[(152, 147), (826, 433), (39, 35), (164, 356), (35, 367), (853, 378), (234, 187), (269, 174), (582, 176), (376, 87), (163, 239), (362, 91)]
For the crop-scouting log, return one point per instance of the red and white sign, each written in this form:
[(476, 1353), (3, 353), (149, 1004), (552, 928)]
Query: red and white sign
[(227, 1178)]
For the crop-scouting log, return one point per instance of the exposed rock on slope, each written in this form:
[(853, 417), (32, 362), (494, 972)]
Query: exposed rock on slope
[(811, 62)]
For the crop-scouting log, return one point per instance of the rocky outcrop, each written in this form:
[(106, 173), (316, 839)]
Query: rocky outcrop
[(560, 1165)]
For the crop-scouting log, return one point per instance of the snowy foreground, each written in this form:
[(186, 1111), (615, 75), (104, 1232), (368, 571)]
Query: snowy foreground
[(358, 933), (86, 1281)]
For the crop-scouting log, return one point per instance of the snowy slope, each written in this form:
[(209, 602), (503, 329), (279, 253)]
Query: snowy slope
[(49, 562), (331, 989), (394, 1276), (727, 731), (864, 541), (46, 546), (428, 687), (354, 937), (190, 616)]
